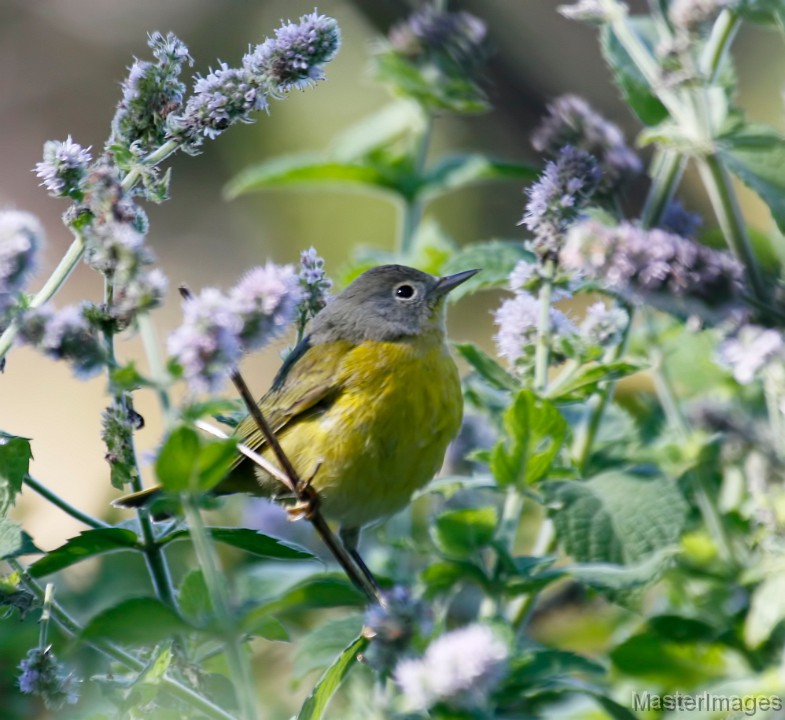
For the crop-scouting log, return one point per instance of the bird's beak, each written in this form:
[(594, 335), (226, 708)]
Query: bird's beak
[(450, 282)]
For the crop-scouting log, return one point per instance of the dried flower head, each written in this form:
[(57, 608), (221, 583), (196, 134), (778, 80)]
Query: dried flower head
[(64, 168), (572, 121), (20, 237), (65, 335), (41, 674), (674, 273), (460, 669), (558, 197), (749, 351), (217, 328)]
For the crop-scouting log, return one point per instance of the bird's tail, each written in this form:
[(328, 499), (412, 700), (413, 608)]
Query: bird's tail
[(138, 499)]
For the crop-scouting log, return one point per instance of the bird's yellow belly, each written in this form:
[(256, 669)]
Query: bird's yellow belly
[(385, 435)]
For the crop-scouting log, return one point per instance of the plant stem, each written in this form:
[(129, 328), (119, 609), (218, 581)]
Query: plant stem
[(150, 160), (717, 46), (726, 208), (543, 346), (239, 666), (72, 628), (65, 506), (667, 170), (412, 208), (46, 615), (158, 372)]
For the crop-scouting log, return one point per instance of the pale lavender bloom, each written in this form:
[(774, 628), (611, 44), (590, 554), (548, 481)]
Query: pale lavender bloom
[(41, 674), (572, 121), (585, 10), (461, 669), (517, 319), (557, 198), (672, 272), (151, 92), (602, 325), (689, 14), (20, 237), (749, 351), (64, 168), (64, 335), (679, 221), (314, 284), (296, 56), (217, 328), (522, 275)]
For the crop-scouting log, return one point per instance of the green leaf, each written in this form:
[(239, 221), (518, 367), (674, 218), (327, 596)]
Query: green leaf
[(14, 541), (605, 576), (464, 531), (681, 629), (215, 461), (763, 12), (309, 170), (486, 367), (193, 599), (176, 465), (431, 249), (445, 576), (316, 703), (617, 517), (85, 545), (634, 88), (584, 382), (767, 610), (15, 456), (251, 541), (320, 647), (495, 258), (535, 431), (128, 378), (454, 172), (756, 155), (136, 621)]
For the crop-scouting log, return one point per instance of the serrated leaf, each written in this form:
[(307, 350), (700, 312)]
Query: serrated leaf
[(454, 172), (14, 541), (85, 545), (193, 598), (486, 367), (15, 456), (136, 621), (756, 155), (320, 647), (634, 88), (316, 703), (252, 541), (464, 531), (496, 260), (535, 430), (767, 610), (614, 578), (617, 517), (176, 464)]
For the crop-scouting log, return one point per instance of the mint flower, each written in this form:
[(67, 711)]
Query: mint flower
[(557, 198), (64, 168), (460, 669), (603, 326), (750, 351), (217, 328), (41, 674), (572, 121), (315, 286), (20, 237)]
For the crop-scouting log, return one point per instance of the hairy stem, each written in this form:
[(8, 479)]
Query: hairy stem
[(239, 665), (65, 506)]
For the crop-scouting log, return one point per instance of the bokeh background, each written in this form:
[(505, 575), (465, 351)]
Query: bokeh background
[(61, 64)]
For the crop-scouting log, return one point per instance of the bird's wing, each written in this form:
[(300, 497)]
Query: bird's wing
[(305, 380)]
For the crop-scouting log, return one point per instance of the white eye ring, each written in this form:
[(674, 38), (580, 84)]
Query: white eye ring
[(405, 291)]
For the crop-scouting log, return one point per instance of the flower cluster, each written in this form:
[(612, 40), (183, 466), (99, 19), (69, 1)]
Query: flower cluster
[(42, 674), (20, 237), (460, 669), (750, 351), (603, 326), (217, 328), (64, 168), (151, 92), (571, 121), (294, 58), (672, 272), (557, 198), (315, 286), (64, 335)]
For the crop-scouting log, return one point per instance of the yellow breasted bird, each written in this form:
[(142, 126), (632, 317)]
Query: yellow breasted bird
[(365, 405)]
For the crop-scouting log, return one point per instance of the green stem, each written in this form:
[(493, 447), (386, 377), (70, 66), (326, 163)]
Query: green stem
[(239, 667), (545, 544), (726, 207), (412, 208), (543, 344), (158, 372), (65, 506), (72, 628), (717, 46), (151, 160), (667, 170)]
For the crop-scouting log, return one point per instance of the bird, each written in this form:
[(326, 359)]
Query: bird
[(364, 406)]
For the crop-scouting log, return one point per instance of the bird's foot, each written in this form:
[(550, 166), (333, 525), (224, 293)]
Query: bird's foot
[(307, 504)]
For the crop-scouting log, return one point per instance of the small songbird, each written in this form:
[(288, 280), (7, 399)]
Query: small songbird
[(365, 405)]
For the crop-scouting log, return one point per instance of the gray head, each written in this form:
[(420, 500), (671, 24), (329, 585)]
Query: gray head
[(386, 303)]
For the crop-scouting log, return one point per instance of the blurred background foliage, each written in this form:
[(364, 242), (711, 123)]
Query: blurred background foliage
[(62, 62)]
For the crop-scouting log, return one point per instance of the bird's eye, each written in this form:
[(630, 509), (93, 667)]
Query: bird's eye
[(405, 291)]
